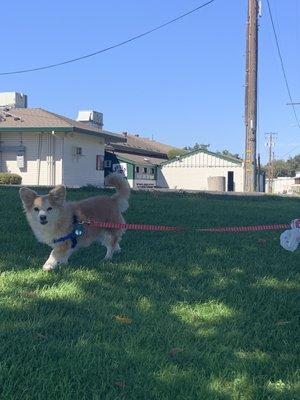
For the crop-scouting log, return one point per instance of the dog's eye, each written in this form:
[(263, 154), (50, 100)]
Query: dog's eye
[(49, 208), (36, 209)]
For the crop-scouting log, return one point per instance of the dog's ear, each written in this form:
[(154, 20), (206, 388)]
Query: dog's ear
[(27, 196), (57, 196)]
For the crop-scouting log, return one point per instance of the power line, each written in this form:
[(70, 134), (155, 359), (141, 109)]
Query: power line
[(282, 65), (288, 153), (110, 47)]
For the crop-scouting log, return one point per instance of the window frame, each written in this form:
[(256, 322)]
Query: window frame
[(99, 162)]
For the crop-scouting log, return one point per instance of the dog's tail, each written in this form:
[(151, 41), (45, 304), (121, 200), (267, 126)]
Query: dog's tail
[(121, 185)]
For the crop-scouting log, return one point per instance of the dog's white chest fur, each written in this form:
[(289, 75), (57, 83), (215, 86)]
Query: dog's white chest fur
[(43, 233)]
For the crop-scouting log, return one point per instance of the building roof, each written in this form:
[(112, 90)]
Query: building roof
[(38, 119), (139, 159), (219, 155), (137, 144)]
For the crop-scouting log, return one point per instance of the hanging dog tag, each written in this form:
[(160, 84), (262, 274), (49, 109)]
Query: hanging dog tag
[(79, 230)]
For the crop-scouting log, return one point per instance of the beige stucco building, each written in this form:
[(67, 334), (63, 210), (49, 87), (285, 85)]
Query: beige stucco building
[(202, 170), (48, 149)]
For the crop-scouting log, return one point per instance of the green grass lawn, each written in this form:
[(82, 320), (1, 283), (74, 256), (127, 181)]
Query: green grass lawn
[(175, 316)]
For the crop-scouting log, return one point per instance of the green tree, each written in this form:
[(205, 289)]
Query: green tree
[(197, 146), (282, 168), (176, 153), (285, 167), (294, 164)]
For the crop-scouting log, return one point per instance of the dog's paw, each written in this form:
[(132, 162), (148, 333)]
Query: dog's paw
[(49, 266)]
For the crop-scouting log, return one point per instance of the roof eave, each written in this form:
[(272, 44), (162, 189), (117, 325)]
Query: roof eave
[(133, 162), (35, 129), (143, 164), (108, 136)]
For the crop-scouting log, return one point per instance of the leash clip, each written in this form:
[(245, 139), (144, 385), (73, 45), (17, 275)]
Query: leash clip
[(84, 222)]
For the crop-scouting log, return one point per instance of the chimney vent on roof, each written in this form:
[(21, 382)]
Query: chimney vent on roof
[(125, 134), (13, 100), (91, 117)]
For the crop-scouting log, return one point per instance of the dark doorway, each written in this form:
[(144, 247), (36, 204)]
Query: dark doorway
[(230, 181)]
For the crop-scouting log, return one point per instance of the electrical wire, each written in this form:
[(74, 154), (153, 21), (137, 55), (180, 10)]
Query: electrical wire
[(282, 65), (284, 75), (288, 153), (22, 71)]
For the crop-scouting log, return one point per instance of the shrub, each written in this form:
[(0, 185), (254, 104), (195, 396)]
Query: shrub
[(89, 187), (10, 179)]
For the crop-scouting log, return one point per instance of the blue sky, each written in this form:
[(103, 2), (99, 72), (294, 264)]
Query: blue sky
[(181, 85)]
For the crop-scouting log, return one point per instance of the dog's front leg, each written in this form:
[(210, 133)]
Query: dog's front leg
[(59, 255)]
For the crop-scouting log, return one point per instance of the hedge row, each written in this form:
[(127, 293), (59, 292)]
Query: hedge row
[(10, 179)]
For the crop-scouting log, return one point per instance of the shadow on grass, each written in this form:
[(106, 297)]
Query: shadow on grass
[(213, 329)]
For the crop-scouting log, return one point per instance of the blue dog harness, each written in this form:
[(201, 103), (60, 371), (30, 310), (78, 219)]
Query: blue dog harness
[(76, 233)]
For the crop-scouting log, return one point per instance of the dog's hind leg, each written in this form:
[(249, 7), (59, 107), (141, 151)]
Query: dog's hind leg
[(59, 255), (111, 242)]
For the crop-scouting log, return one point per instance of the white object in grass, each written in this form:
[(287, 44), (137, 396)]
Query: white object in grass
[(290, 239)]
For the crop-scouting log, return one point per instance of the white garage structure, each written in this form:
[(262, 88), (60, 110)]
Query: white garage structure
[(202, 170), (48, 149)]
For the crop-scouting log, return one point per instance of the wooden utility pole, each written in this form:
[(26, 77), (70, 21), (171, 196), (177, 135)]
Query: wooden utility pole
[(270, 143), (251, 96)]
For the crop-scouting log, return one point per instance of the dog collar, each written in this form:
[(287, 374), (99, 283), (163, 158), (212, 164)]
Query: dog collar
[(74, 235)]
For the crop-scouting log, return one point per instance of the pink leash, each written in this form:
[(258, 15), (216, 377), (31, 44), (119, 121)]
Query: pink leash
[(165, 228)]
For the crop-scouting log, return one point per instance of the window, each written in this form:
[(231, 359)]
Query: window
[(137, 169), (152, 171), (78, 151), (145, 170), (99, 162)]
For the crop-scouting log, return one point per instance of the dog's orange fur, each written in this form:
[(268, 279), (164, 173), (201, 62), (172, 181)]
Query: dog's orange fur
[(59, 216)]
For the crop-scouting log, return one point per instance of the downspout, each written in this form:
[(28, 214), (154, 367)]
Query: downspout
[(48, 161), (53, 158), (40, 144), (62, 161), (51, 178)]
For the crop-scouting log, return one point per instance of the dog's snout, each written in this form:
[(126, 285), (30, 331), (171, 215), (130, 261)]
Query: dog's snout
[(43, 219)]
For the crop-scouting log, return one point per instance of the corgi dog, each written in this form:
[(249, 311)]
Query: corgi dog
[(58, 223)]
